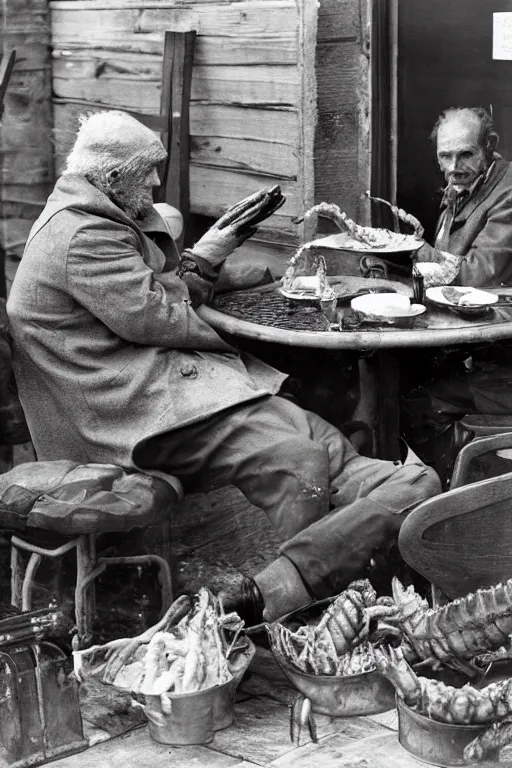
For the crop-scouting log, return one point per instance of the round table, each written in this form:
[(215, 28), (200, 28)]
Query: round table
[(435, 328)]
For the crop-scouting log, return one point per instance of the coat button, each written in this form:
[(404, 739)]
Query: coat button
[(189, 371)]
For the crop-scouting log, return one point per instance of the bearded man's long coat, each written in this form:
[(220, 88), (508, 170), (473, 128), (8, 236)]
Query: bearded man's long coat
[(105, 355)]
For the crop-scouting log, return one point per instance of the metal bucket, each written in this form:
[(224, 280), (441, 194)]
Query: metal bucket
[(224, 700), (436, 743), (190, 720), (194, 717), (365, 694)]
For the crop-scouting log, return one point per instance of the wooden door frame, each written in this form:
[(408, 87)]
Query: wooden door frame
[(383, 77)]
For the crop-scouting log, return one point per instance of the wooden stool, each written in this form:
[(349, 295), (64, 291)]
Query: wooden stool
[(80, 502)]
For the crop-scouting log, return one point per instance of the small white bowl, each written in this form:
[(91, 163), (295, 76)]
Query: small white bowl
[(390, 308), (382, 304)]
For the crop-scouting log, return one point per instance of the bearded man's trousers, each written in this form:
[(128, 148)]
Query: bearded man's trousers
[(331, 507)]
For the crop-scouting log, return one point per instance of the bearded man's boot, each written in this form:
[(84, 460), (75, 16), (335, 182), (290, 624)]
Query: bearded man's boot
[(274, 592)]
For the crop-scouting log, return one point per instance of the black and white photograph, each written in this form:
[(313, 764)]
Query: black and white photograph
[(255, 383)]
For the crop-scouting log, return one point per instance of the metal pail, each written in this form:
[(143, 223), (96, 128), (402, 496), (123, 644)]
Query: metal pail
[(436, 743)]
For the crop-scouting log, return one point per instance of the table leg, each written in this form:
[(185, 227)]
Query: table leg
[(388, 398)]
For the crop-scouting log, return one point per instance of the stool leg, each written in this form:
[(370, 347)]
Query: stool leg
[(165, 581), (85, 606), (16, 577), (26, 592)]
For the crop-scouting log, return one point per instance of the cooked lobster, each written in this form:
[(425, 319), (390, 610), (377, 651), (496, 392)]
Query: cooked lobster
[(467, 627), (338, 643)]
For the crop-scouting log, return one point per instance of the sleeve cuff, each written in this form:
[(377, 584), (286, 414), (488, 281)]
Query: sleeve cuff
[(190, 263), (199, 289)]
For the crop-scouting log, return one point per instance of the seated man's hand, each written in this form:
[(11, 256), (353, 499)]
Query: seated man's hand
[(237, 225), (217, 244), (441, 271)]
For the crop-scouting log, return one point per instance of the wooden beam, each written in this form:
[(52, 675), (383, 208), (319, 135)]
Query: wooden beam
[(6, 67), (140, 27), (307, 28), (175, 101), (381, 110)]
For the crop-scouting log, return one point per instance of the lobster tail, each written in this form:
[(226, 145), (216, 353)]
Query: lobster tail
[(469, 626)]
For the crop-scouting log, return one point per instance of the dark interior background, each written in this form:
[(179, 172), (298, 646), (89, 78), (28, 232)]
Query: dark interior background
[(444, 59)]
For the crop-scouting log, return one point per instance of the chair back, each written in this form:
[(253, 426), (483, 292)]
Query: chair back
[(461, 540)]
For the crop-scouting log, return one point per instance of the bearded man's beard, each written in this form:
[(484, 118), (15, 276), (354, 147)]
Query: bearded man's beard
[(135, 200)]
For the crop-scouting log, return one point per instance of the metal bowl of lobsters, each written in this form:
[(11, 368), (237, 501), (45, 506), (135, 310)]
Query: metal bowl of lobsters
[(326, 651), (465, 642), (448, 666)]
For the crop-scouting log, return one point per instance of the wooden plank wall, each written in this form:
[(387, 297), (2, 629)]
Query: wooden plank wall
[(253, 100), (342, 141), (26, 152), (255, 115)]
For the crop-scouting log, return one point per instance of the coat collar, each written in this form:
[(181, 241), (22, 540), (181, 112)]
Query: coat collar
[(484, 190), (73, 191)]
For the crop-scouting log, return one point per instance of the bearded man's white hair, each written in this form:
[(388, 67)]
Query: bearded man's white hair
[(113, 140), (115, 153)]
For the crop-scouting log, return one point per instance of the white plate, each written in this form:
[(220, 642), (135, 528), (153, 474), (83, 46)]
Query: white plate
[(401, 244), (302, 295), (480, 300), (298, 295)]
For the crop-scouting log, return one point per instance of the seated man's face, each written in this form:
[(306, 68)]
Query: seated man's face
[(459, 152), (134, 192), (143, 193)]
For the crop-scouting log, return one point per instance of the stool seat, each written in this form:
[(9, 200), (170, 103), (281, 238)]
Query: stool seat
[(80, 502), (72, 499)]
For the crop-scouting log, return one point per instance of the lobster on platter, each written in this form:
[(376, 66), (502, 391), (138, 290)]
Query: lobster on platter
[(441, 702), (365, 238)]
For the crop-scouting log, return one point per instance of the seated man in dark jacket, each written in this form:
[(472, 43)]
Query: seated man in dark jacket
[(473, 247), (114, 365)]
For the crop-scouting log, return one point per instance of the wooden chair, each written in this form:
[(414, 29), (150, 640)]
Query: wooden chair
[(462, 539)]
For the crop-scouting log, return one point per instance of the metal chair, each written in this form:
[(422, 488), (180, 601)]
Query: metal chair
[(484, 424), (461, 540)]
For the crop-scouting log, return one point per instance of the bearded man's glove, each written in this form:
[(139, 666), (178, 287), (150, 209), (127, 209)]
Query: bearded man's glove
[(235, 226)]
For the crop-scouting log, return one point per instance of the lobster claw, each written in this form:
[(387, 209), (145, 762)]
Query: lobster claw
[(301, 717)]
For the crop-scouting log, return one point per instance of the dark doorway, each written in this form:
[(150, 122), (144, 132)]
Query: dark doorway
[(444, 59)]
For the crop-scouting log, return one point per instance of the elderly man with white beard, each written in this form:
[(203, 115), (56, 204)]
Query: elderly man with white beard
[(115, 366)]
